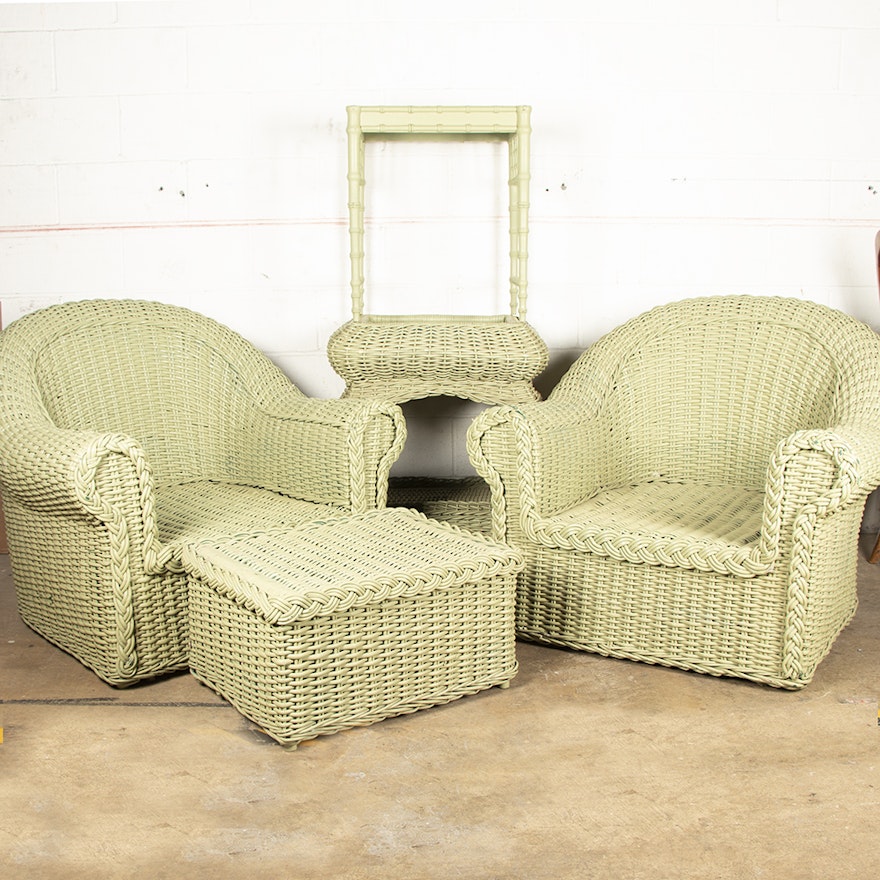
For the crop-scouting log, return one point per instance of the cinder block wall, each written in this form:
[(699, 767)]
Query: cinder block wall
[(196, 153)]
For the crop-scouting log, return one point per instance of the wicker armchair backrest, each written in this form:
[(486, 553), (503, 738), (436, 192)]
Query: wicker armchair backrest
[(704, 389), (164, 375)]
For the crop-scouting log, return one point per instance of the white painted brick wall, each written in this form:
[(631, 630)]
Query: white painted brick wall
[(120, 61), (195, 152)]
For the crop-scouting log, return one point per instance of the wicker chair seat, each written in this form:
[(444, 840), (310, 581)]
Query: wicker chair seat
[(193, 513), (710, 528)]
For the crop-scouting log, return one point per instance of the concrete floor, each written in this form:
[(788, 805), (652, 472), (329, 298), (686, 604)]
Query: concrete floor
[(584, 768)]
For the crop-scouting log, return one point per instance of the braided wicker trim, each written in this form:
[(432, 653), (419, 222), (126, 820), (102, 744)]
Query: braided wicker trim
[(84, 480), (323, 568)]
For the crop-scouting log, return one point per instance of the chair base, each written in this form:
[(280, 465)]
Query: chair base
[(689, 664)]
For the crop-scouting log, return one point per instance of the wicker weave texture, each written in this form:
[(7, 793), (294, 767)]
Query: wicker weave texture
[(691, 492), (464, 502), (128, 429), (477, 359), (333, 625)]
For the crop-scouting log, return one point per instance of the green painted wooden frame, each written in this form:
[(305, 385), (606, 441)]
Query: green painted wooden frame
[(512, 123)]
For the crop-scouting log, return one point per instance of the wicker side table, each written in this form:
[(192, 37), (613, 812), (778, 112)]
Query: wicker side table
[(486, 358), (489, 359), (342, 623)]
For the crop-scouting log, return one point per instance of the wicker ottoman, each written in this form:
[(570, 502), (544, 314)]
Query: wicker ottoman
[(340, 623)]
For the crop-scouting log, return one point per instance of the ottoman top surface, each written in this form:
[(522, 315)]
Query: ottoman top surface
[(293, 574)]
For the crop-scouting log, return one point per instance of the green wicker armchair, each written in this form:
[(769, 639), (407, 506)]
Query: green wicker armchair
[(691, 492), (129, 429)]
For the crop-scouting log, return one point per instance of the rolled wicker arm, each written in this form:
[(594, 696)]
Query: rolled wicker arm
[(817, 484), (53, 469), (537, 458), (328, 451), (60, 476), (100, 477), (815, 473)]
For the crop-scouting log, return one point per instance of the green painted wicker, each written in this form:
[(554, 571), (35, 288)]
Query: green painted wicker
[(313, 630), (486, 358), (691, 492), (464, 502), (128, 429)]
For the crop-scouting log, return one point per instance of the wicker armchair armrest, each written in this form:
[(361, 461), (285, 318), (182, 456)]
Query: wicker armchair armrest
[(815, 473), (54, 469), (862, 450), (328, 451), (99, 477), (543, 457)]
